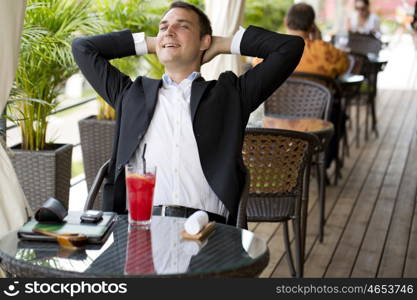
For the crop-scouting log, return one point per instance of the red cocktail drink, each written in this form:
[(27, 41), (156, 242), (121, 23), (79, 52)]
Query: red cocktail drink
[(140, 197)]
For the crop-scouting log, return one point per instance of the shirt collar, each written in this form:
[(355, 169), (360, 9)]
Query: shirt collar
[(167, 81)]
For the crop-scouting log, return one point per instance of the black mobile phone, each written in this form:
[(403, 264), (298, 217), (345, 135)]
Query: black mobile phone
[(92, 216)]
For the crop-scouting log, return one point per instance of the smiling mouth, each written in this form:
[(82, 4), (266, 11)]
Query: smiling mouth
[(171, 45)]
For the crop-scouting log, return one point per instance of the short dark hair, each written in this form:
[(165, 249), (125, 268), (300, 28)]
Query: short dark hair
[(300, 17), (365, 2), (205, 25)]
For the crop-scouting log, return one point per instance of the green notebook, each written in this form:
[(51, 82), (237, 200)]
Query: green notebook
[(97, 233)]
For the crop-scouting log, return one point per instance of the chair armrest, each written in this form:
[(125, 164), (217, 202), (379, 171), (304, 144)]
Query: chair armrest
[(95, 188)]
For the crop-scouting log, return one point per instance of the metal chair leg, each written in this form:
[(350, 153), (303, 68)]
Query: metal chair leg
[(322, 197), (290, 259), (373, 112), (358, 108), (346, 148), (373, 102), (317, 165), (299, 261), (368, 103)]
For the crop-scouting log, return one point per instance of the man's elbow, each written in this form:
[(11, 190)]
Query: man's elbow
[(79, 44), (76, 44)]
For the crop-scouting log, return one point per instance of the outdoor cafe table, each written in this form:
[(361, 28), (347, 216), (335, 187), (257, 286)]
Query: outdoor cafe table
[(310, 125), (159, 252)]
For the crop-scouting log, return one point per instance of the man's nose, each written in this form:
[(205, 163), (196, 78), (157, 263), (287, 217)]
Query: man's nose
[(170, 31)]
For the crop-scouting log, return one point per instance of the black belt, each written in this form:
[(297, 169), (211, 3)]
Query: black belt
[(184, 212)]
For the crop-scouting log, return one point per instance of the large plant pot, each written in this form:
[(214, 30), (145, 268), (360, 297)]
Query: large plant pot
[(96, 145), (44, 174)]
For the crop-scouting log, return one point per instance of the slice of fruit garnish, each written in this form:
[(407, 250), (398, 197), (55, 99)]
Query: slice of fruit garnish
[(148, 177), (136, 176)]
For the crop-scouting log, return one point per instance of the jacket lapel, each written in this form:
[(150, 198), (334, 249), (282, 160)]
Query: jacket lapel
[(130, 138), (197, 90), (150, 87)]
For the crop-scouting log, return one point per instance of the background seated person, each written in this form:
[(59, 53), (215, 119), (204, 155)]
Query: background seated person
[(363, 21), (319, 57)]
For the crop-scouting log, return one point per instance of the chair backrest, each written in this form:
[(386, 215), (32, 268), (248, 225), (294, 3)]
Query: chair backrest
[(363, 43), (329, 82), (299, 98), (277, 160)]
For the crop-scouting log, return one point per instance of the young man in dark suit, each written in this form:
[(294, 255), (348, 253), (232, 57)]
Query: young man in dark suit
[(193, 128)]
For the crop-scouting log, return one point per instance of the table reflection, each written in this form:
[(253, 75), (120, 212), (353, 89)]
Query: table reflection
[(159, 249), (139, 252)]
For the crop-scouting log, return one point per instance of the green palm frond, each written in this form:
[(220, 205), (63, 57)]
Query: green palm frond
[(46, 61)]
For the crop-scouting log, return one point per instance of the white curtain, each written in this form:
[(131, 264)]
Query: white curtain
[(226, 17), (13, 204)]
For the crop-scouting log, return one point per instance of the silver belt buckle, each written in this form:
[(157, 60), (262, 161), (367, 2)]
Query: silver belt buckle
[(163, 210)]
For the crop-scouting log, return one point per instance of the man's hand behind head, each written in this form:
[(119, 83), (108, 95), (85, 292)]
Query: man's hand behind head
[(219, 45)]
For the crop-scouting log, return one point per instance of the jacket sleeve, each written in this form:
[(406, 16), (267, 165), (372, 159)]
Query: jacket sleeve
[(92, 55), (281, 54)]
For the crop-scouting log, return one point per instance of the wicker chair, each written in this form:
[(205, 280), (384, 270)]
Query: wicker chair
[(103, 171), (337, 116), (279, 164), (300, 98)]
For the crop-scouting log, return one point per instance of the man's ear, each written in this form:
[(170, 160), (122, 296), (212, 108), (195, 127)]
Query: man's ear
[(205, 42)]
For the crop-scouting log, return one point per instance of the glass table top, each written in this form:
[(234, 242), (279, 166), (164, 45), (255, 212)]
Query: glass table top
[(158, 251)]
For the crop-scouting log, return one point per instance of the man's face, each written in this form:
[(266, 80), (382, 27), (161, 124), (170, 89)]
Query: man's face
[(178, 41)]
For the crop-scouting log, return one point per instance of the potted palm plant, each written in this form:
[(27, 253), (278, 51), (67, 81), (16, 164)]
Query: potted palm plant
[(45, 63), (97, 131)]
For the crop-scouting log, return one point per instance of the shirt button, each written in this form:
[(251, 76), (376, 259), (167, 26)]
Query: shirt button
[(176, 145), (176, 170)]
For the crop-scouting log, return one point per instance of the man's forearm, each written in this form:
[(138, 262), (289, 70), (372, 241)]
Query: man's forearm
[(92, 55), (219, 45), (222, 44), (150, 43)]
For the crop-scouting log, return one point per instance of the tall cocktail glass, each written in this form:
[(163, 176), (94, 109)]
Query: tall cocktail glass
[(140, 185)]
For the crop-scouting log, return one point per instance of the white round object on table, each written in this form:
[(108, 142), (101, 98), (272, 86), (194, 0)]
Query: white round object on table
[(196, 222)]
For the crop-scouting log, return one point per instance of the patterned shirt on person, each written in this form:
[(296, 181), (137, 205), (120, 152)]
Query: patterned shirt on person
[(320, 57)]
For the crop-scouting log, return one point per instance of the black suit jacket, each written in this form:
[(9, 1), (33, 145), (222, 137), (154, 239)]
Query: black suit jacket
[(219, 108)]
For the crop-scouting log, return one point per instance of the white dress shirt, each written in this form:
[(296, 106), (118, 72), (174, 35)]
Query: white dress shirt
[(171, 144)]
